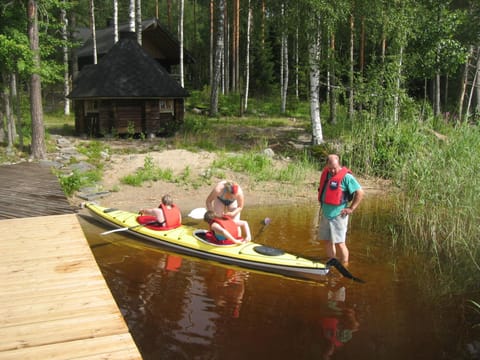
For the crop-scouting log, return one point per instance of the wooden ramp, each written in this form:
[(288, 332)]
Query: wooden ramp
[(54, 301), (31, 189)]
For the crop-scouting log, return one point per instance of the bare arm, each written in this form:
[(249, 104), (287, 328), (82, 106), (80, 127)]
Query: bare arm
[(357, 198), (220, 230)]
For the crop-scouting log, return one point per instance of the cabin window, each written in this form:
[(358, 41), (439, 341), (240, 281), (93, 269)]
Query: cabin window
[(165, 105), (90, 107)]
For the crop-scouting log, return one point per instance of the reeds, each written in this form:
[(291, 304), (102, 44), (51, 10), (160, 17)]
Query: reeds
[(438, 173)]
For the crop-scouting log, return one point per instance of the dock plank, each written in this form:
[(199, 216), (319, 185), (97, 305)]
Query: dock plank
[(55, 303)]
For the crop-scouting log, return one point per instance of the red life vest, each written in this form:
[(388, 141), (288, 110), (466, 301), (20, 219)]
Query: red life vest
[(172, 216), (334, 195), (228, 224)]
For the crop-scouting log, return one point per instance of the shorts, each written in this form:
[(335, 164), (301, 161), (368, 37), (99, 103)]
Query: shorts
[(334, 230)]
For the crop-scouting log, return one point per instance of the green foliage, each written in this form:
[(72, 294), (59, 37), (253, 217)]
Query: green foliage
[(94, 150), (149, 172), (70, 183)]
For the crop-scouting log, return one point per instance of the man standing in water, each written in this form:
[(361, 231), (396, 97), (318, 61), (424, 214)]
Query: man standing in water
[(337, 187)]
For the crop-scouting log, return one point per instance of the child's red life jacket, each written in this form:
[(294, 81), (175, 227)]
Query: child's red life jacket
[(173, 217)]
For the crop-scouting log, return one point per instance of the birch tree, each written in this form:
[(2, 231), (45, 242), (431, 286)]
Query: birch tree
[(180, 32), (66, 75), (247, 56), (138, 21), (284, 63), (314, 43), (217, 68), (115, 21), (131, 16), (94, 32)]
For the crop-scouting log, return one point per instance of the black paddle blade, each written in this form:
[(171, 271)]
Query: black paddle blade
[(343, 270)]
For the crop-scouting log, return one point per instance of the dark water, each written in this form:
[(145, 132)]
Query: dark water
[(179, 307)]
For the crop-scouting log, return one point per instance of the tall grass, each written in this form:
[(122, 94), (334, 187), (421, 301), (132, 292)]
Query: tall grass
[(437, 207)]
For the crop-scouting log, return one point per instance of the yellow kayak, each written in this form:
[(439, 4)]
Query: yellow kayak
[(189, 240)]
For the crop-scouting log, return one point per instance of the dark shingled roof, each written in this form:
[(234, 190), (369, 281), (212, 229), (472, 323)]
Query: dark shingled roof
[(164, 46), (126, 71)]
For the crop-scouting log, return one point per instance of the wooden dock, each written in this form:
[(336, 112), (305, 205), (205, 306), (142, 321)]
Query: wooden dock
[(30, 189), (54, 301)]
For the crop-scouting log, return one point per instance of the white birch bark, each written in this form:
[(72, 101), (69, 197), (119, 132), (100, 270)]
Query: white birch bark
[(180, 32), (138, 21), (66, 82), (463, 84), (396, 99), (314, 73), (247, 59), (115, 21), (94, 32), (131, 16)]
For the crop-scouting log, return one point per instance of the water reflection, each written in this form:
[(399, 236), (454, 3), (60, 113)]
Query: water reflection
[(339, 320), (180, 307)]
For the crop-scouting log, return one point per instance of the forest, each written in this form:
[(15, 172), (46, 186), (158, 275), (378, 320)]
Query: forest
[(400, 75), (386, 58)]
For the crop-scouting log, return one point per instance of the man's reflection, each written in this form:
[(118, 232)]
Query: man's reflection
[(338, 320)]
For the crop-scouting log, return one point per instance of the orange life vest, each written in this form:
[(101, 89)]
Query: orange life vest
[(172, 216), (334, 195), (228, 224)]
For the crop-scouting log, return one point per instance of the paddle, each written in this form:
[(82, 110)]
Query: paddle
[(128, 228), (197, 213), (265, 222), (337, 265)]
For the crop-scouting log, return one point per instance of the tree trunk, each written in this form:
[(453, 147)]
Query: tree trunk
[(297, 64), (437, 111), (180, 32), (131, 16), (333, 83), (463, 85), (94, 33), (284, 65), (396, 101), (7, 107), (218, 59), (169, 14), (138, 21), (74, 57), (381, 97), (314, 73), (477, 83), (16, 105), (236, 54), (247, 57), (115, 21), (212, 31), (226, 54), (351, 73), (66, 78), (39, 149)]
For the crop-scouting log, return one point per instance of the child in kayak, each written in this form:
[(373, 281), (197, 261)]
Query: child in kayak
[(225, 230), (167, 214)]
